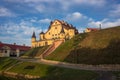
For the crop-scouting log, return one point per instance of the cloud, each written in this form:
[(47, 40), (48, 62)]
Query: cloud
[(106, 23), (21, 32), (66, 4), (54, 5), (91, 2), (94, 23), (6, 12), (45, 20), (16, 32), (18, 41), (115, 12), (41, 8), (74, 16)]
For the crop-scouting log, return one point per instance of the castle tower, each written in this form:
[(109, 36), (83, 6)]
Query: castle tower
[(33, 37), (42, 35)]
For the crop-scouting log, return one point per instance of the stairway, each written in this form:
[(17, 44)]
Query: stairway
[(51, 48)]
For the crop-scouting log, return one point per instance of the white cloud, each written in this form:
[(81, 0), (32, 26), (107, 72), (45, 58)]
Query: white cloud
[(115, 12), (33, 20), (94, 24), (81, 29), (18, 41), (6, 12), (105, 23), (91, 2), (67, 3), (74, 16), (53, 5), (40, 8), (39, 1), (45, 20), (18, 32)]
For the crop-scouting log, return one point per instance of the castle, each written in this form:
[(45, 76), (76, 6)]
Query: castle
[(58, 30)]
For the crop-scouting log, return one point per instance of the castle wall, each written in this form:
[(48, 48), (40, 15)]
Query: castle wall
[(56, 31), (42, 43)]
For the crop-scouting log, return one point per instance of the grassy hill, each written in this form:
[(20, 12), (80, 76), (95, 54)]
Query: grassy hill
[(100, 47), (50, 72), (46, 72), (35, 52), (6, 63), (64, 49)]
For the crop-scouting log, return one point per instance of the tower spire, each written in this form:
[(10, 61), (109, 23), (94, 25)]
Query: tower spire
[(33, 36)]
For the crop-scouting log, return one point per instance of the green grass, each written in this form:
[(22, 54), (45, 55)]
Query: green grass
[(117, 74), (6, 63), (64, 49), (100, 47), (51, 73), (35, 51), (46, 72), (101, 39)]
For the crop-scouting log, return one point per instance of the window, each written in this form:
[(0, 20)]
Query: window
[(49, 33), (55, 27), (55, 34), (5, 51)]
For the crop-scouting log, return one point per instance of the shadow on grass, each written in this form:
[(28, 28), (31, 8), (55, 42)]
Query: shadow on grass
[(55, 73), (108, 55)]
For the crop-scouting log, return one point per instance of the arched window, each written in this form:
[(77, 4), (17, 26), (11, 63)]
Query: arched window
[(46, 43)]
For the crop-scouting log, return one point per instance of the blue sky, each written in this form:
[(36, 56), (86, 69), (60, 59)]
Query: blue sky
[(19, 18)]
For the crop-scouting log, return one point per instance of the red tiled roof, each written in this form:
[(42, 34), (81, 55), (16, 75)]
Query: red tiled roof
[(14, 47), (66, 25), (93, 29)]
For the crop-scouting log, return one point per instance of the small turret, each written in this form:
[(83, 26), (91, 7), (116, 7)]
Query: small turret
[(33, 37), (42, 35)]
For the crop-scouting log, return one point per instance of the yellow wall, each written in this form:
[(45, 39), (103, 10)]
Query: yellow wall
[(87, 30), (53, 33)]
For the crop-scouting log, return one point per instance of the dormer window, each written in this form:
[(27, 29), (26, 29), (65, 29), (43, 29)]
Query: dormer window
[(55, 22)]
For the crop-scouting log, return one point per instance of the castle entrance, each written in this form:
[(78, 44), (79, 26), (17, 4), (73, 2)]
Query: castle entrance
[(46, 43)]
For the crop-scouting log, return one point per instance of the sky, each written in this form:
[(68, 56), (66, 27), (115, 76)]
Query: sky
[(19, 18)]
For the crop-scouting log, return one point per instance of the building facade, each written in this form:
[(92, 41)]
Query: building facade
[(58, 30), (91, 29), (13, 50)]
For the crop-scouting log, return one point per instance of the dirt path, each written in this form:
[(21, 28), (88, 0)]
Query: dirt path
[(105, 74), (74, 66)]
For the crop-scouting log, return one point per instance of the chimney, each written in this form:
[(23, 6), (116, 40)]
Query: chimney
[(14, 43), (23, 44)]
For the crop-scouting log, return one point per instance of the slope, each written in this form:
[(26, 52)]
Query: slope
[(100, 47), (35, 52)]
